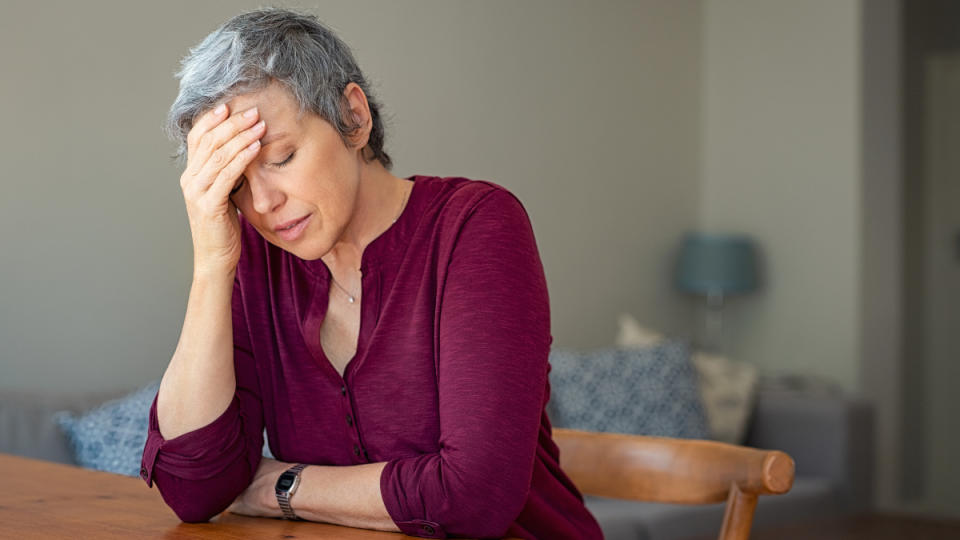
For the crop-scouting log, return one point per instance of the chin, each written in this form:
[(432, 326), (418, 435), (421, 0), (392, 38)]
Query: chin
[(308, 251)]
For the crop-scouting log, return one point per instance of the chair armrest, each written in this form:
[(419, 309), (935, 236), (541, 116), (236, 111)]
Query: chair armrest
[(661, 469), (829, 436)]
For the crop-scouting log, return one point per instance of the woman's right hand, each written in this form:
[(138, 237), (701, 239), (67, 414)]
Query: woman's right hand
[(219, 148)]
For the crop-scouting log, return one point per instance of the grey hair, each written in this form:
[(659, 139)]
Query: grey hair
[(253, 49)]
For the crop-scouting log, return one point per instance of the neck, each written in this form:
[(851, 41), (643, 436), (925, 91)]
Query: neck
[(379, 198)]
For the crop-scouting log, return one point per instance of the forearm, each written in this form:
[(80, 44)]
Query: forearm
[(200, 382), (342, 495), (347, 495)]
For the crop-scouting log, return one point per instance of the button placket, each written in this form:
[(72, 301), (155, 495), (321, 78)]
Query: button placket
[(358, 451)]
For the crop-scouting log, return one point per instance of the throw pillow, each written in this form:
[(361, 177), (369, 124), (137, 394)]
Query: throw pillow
[(633, 334), (642, 391), (727, 387), (111, 436)]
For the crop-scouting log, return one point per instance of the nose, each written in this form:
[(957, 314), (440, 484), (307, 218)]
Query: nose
[(265, 197)]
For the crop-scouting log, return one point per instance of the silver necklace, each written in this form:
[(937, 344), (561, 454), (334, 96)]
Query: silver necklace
[(351, 298)]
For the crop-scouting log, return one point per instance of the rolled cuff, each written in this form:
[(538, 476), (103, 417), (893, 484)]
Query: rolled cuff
[(196, 455), (396, 501)]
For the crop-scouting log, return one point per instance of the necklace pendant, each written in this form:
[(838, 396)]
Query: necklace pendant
[(351, 299)]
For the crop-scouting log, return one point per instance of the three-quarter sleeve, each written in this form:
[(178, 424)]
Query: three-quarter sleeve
[(200, 473), (493, 346)]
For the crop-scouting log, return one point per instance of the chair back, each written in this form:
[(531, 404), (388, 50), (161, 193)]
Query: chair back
[(667, 470)]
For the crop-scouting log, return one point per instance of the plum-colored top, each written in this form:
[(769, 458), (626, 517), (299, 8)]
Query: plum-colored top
[(448, 385)]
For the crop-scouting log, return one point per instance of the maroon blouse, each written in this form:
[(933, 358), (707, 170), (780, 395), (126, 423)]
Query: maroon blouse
[(448, 385)]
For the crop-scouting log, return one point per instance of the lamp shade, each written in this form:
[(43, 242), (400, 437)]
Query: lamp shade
[(717, 264)]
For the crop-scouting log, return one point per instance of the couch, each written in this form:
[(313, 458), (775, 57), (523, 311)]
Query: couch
[(829, 437)]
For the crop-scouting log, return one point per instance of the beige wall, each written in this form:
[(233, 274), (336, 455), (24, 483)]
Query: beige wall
[(588, 111), (781, 161)]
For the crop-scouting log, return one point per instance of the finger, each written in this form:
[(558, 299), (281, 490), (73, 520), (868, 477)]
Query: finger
[(216, 137), (225, 154), (205, 123), (228, 176)]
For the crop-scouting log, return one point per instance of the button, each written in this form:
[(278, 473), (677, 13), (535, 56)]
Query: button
[(349, 420), (356, 450), (143, 471), (343, 390), (428, 529)]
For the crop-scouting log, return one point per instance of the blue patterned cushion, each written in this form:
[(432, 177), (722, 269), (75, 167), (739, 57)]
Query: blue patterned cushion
[(111, 436), (643, 391)]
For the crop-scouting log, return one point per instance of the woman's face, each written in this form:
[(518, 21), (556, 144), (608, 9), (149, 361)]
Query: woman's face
[(303, 170)]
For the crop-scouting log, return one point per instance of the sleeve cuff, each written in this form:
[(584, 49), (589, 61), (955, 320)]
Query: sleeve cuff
[(394, 500), (421, 528), (195, 455)]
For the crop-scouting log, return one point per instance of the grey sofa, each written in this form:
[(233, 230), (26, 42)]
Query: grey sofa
[(829, 437)]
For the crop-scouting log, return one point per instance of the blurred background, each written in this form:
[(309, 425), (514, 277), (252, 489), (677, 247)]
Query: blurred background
[(826, 132)]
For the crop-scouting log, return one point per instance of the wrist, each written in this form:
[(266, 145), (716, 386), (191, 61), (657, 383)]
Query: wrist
[(212, 276), (286, 487)]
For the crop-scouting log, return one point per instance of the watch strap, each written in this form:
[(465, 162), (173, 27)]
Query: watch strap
[(283, 496)]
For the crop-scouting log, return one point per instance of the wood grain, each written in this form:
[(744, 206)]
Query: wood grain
[(41, 499), (667, 470)]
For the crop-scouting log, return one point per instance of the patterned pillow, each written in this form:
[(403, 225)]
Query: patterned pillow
[(727, 387), (642, 391), (111, 437)]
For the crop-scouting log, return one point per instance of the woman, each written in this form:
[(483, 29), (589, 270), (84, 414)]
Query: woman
[(390, 334)]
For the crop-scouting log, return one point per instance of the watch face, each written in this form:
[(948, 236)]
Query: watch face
[(286, 481)]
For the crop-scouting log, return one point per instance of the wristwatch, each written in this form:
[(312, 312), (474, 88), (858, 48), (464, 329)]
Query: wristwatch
[(286, 486)]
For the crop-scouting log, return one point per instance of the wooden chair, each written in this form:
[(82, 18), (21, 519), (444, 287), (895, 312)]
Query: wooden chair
[(686, 471)]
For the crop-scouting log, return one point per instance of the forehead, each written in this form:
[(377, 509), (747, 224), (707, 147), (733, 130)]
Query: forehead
[(276, 105)]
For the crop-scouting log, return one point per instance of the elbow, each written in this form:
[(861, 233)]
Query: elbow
[(430, 495), (197, 502), (196, 510), (194, 515), (199, 510), (486, 516)]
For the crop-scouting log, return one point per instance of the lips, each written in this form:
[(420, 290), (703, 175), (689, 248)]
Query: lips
[(295, 229), (288, 224)]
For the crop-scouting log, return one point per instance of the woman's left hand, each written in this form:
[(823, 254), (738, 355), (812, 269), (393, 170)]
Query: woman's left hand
[(260, 497)]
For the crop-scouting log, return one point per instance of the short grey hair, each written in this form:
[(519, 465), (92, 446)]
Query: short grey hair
[(255, 48)]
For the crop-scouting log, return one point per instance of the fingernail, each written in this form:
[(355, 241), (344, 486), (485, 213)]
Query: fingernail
[(253, 146), (220, 108), (251, 113), (259, 125)]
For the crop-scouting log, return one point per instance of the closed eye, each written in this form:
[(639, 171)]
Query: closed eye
[(238, 186), (284, 162)]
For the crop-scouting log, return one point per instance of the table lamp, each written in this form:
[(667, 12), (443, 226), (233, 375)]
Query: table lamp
[(716, 265)]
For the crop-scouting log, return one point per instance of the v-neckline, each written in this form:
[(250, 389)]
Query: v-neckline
[(369, 293)]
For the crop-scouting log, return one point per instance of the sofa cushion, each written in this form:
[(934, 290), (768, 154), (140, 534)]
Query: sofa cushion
[(111, 436), (727, 387), (645, 391), (631, 520)]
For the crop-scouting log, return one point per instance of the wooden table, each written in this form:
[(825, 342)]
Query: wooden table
[(41, 499)]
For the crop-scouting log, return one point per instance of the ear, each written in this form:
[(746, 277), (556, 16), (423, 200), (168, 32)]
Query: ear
[(359, 111)]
